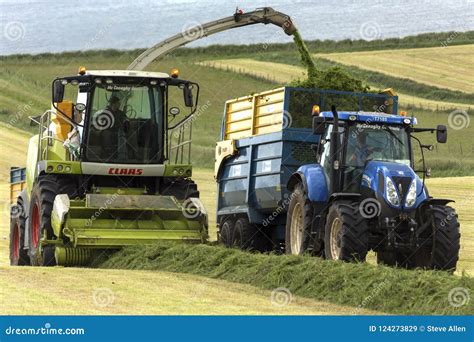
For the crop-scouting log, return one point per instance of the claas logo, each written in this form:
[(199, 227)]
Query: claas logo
[(120, 171)]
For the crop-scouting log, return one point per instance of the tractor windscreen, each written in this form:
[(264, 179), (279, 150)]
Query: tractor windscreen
[(125, 124), (377, 142)]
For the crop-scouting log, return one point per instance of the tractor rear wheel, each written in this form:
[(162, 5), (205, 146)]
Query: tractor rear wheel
[(443, 252), (18, 255), (299, 222), (43, 194), (346, 233)]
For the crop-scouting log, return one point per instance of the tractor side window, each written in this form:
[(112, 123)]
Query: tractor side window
[(326, 155)]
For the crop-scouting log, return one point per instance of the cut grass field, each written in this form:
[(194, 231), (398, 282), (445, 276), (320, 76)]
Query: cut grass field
[(444, 67), (284, 73), (49, 291)]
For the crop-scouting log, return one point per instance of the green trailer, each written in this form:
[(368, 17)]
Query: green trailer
[(110, 167)]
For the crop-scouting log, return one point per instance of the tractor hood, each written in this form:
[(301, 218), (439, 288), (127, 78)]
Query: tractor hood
[(395, 185)]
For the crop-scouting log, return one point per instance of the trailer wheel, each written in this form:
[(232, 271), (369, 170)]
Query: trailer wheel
[(443, 253), (18, 255), (226, 232), (246, 235), (346, 233), (43, 194), (299, 221)]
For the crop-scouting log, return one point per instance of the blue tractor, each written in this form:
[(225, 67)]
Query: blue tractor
[(363, 194), (335, 185)]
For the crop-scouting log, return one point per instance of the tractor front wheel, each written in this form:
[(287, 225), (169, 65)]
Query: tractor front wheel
[(444, 236), (43, 194), (346, 233)]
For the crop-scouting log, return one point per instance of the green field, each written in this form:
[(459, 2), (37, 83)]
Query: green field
[(48, 291), (223, 73), (444, 67)]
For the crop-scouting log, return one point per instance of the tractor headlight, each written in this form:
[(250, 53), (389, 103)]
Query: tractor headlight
[(411, 195), (391, 192)]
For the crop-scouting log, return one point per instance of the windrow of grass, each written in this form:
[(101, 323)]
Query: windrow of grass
[(389, 290)]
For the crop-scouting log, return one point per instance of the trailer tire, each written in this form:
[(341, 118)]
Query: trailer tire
[(246, 235), (226, 231), (346, 233), (43, 194), (443, 253), (299, 222), (18, 255)]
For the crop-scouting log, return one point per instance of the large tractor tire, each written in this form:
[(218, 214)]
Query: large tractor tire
[(445, 237), (299, 222), (18, 255), (346, 233), (43, 194), (247, 236)]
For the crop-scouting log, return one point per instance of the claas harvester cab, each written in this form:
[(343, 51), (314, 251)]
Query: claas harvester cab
[(109, 167), (298, 176)]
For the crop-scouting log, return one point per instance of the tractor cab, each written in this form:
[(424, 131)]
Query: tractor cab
[(117, 117)]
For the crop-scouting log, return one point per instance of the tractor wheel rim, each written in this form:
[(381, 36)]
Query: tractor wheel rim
[(35, 225), (297, 229), (16, 242), (335, 238)]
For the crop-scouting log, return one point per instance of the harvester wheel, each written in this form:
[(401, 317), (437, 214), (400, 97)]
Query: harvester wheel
[(43, 194), (298, 222), (246, 235), (18, 255), (443, 253), (226, 231), (346, 233)]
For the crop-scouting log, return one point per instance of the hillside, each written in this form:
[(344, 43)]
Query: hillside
[(444, 67)]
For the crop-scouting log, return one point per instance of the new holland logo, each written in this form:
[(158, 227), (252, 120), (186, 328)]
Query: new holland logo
[(122, 171)]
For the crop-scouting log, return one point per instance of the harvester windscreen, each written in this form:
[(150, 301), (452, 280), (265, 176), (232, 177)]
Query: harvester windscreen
[(377, 142), (125, 125)]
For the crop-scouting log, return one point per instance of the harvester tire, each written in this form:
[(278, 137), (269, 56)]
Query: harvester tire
[(346, 233), (18, 255), (43, 194), (443, 252), (246, 235), (226, 231), (299, 222)]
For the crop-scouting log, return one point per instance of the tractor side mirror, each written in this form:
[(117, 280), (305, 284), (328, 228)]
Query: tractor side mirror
[(58, 91), (319, 125), (188, 95), (441, 134)]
